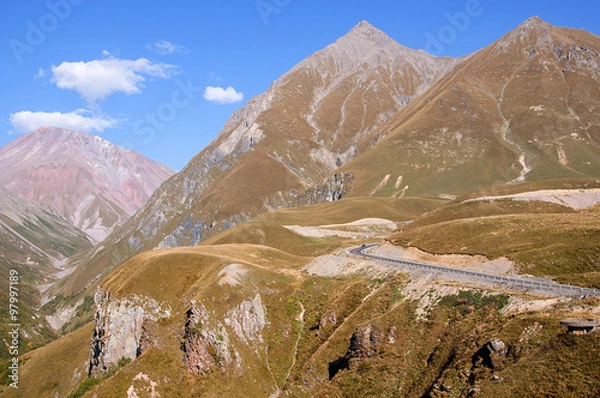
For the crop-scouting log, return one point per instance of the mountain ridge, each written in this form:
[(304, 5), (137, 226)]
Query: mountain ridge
[(520, 108), (333, 127), (34, 246), (92, 182)]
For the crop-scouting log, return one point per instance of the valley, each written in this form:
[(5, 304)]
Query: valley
[(378, 222)]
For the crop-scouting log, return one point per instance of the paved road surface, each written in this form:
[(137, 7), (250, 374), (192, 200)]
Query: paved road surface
[(507, 282)]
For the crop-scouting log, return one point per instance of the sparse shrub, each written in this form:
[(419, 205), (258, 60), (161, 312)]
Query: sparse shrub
[(469, 298), (85, 386), (122, 362), (91, 382)]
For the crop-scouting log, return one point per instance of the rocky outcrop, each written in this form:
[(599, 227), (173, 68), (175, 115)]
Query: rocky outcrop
[(191, 231), (329, 319), (142, 386), (124, 328), (206, 341), (208, 337), (331, 189), (248, 321), (364, 343), (392, 335), (492, 354)]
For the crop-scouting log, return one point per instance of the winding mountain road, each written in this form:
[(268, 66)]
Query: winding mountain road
[(508, 282)]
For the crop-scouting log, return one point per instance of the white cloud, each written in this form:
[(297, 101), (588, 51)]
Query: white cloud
[(163, 47), (41, 73), (97, 79), (220, 95), (26, 121)]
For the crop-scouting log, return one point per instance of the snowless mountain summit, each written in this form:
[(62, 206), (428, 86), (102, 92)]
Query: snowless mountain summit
[(92, 182)]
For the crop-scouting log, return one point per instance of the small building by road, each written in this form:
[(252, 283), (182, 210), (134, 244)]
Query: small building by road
[(580, 326)]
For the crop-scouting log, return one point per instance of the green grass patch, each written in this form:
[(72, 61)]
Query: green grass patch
[(89, 383), (475, 299)]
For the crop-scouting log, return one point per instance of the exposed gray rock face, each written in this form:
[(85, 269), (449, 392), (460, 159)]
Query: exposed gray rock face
[(331, 189), (191, 229), (210, 340), (206, 341), (248, 321), (123, 329), (364, 342)]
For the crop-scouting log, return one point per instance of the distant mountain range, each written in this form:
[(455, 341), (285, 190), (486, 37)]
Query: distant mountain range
[(93, 183)]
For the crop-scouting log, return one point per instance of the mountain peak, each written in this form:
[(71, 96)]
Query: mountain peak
[(534, 23), (52, 130), (93, 183), (363, 26), (532, 33), (367, 31)]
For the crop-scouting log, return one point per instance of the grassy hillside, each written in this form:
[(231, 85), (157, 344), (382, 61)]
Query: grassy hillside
[(543, 239), (304, 347), (351, 209), (268, 229), (306, 357), (57, 367)]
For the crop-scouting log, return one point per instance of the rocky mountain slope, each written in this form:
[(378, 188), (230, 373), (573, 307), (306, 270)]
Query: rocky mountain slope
[(520, 109), (94, 184), (280, 149), (30, 234), (34, 244), (523, 108), (290, 138), (263, 310)]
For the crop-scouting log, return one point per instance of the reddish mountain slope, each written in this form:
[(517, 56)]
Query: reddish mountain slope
[(91, 182)]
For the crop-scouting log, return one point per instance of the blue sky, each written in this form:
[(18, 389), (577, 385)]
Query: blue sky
[(162, 77)]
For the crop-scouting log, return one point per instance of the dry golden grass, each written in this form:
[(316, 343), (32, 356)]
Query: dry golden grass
[(167, 274), (55, 368), (351, 209), (540, 242)]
